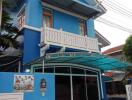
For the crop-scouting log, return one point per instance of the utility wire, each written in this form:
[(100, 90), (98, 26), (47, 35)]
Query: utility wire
[(10, 62), (118, 9), (121, 6), (109, 23)]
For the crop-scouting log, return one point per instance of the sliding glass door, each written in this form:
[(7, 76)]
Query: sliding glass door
[(62, 88), (79, 88), (92, 88)]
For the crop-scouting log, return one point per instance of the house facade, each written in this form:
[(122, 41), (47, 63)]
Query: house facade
[(60, 51), (51, 26), (58, 25), (116, 52)]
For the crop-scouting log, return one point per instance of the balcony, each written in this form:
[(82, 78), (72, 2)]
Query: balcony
[(56, 37)]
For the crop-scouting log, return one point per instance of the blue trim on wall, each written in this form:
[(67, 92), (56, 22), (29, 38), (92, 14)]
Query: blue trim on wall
[(34, 12), (6, 86), (31, 48), (90, 28)]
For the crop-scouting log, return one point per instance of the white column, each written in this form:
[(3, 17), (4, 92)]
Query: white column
[(0, 13)]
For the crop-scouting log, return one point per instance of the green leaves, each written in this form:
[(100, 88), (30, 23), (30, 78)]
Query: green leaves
[(9, 31), (7, 41), (128, 49)]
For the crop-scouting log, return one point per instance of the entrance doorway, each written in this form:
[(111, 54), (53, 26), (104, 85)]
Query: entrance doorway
[(62, 88)]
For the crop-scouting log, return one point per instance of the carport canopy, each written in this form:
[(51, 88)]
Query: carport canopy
[(94, 60)]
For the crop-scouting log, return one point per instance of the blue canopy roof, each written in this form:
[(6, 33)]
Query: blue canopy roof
[(94, 60)]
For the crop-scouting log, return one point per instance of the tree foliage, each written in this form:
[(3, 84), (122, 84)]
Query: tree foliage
[(128, 49), (8, 30)]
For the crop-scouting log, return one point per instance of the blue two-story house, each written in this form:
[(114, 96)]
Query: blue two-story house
[(60, 45), (59, 25)]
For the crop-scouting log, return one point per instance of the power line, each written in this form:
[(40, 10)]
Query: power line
[(10, 62), (126, 8), (109, 23), (118, 9), (120, 6)]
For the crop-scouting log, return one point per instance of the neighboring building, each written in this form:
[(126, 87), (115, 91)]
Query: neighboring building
[(116, 87), (61, 51), (116, 52)]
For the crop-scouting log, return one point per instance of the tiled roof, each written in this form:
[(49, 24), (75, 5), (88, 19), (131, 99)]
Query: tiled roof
[(114, 49)]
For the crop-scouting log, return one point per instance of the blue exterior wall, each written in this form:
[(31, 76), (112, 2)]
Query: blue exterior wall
[(90, 28), (34, 13), (34, 18), (66, 22), (31, 49), (7, 81)]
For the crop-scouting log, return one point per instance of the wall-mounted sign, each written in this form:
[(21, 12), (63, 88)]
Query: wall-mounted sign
[(23, 83), (43, 86)]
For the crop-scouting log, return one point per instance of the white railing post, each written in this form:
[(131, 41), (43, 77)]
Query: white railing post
[(44, 33), (61, 36)]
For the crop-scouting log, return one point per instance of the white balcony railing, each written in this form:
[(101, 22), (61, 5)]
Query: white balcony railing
[(66, 39)]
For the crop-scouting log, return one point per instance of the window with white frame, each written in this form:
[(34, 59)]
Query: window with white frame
[(21, 18)]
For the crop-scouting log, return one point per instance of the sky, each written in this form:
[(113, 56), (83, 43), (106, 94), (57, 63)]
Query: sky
[(114, 35)]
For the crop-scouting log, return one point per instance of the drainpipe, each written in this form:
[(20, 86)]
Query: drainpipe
[(62, 49), (1, 1), (43, 48)]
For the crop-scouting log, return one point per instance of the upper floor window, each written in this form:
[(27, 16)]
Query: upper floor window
[(21, 18), (47, 18), (82, 27)]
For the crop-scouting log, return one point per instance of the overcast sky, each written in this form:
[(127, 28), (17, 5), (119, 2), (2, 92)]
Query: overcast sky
[(114, 35)]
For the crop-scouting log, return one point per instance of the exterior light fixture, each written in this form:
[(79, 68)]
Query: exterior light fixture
[(27, 70)]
